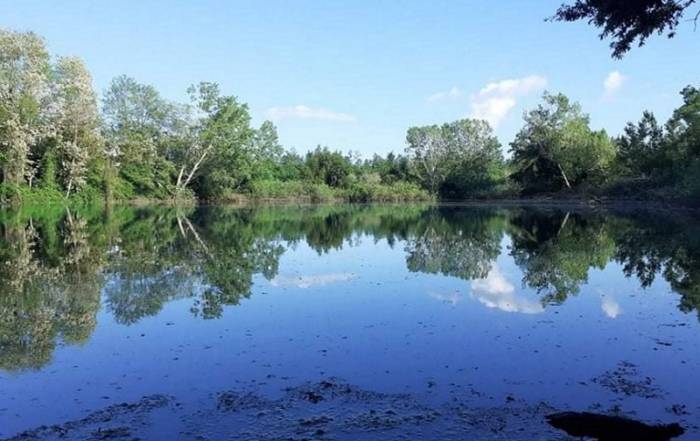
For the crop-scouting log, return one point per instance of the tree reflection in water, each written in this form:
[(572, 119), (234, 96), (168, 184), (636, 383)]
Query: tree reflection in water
[(58, 265)]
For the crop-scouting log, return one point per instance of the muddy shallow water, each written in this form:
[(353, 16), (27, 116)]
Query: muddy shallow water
[(346, 322)]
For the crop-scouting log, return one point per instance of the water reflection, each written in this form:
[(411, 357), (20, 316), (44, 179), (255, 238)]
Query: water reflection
[(557, 251), (57, 266), (495, 291), (311, 281), (610, 307)]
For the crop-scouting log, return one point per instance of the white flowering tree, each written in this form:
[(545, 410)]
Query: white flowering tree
[(24, 101), (77, 121)]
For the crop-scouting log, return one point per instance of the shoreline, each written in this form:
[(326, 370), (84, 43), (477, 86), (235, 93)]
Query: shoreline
[(550, 201), (582, 203)]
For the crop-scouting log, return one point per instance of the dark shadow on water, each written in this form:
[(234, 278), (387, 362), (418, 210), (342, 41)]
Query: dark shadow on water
[(612, 428)]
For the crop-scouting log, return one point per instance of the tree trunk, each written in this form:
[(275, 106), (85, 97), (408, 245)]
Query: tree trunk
[(194, 169), (563, 175), (107, 176), (179, 176), (70, 180), (563, 223)]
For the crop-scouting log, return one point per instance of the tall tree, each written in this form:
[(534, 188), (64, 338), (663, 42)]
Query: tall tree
[(640, 148), (627, 21), (135, 117), (137, 123), (266, 150), (77, 121), (683, 143), (684, 125), (224, 135), (24, 91), (556, 148), (439, 153), (430, 155), (328, 167)]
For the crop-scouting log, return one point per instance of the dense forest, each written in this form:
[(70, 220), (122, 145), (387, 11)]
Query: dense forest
[(60, 142)]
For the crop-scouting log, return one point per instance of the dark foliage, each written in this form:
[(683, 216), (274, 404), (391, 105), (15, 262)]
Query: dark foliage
[(627, 21)]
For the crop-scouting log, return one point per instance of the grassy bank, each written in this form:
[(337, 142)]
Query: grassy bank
[(301, 191), (627, 194), (259, 191)]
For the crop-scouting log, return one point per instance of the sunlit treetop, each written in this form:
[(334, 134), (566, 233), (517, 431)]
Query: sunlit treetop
[(628, 21)]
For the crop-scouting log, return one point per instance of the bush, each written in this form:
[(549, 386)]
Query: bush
[(274, 189), (87, 196), (41, 196), (293, 190), (12, 195), (356, 192), (321, 193), (397, 192), (148, 180)]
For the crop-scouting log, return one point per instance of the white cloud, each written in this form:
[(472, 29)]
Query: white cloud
[(610, 307), (495, 100), (613, 82), (495, 291), (311, 280), (493, 110), (451, 298), (454, 93), (306, 112)]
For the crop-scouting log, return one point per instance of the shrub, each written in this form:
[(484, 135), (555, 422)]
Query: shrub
[(274, 189), (321, 193), (396, 192)]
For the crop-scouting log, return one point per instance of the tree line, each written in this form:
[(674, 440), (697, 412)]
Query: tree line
[(59, 141)]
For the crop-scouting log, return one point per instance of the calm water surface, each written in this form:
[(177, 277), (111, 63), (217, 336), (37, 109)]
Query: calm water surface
[(320, 322)]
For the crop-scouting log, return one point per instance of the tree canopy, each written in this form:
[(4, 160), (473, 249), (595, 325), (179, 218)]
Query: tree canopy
[(455, 157), (59, 145), (557, 149), (627, 22)]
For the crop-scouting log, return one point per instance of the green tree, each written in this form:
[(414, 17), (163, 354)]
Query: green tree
[(684, 128), (683, 143), (225, 137), (24, 93), (430, 156), (666, 157), (640, 148), (266, 150), (291, 166), (454, 158), (397, 169), (479, 162), (77, 122), (328, 167), (556, 148), (136, 121)]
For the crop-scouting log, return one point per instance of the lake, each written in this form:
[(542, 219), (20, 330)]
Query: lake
[(345, 322)]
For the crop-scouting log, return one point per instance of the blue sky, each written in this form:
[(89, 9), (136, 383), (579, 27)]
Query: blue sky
[(355, 75)]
